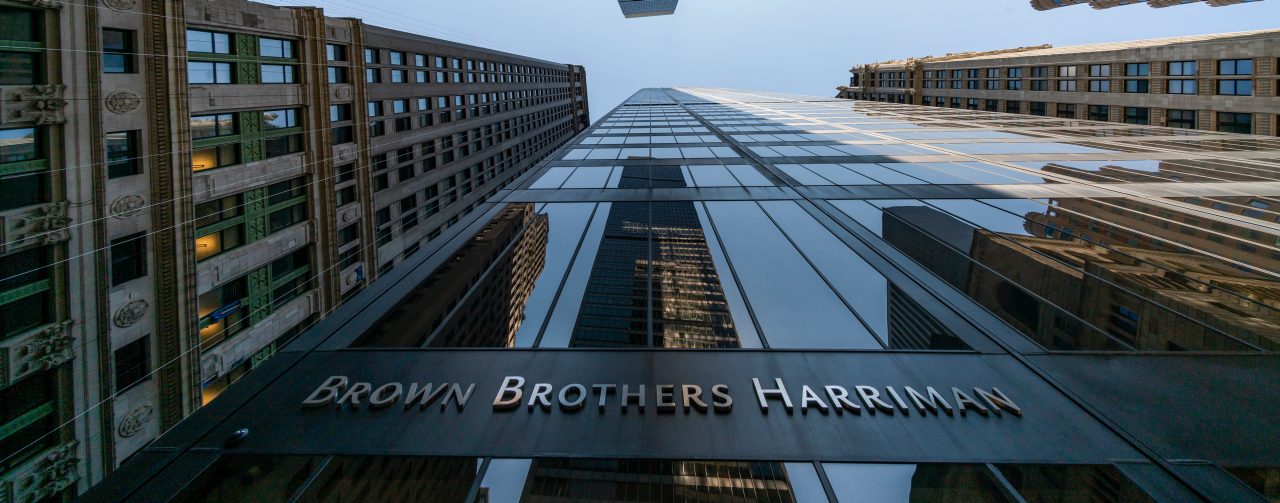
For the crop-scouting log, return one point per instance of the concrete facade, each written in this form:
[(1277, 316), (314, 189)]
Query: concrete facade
[(1181, 81), (187, 185)]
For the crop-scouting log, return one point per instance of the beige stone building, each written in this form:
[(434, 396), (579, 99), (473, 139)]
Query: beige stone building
[(186, 185), (1224, 82), (1107, 4)]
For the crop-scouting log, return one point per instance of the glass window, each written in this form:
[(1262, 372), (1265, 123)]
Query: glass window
[(419, 60), (1137, 69), (1235, 67), (1099, 86), (279, 119), (212, 126), (1099, 113), (17, 145), (338, 75), (1182, 68), (122, 154), (340, 112), (20, 25), (1235, 87), (1137, 86), (335, 52), (375, 108), (399, 106), (208, 42), (1185, 119), (277, 74), (372, 75), (215, 157), (398, 76), (20, 68), (206, 72), (1229, 122), (275, 48), (1099, 70), (128, 258), (1067, 85), (913, 482), (118, 51), (1137, 115), (396, 57), (371, 56), (283, 145), (1184, 86), (133, 363)]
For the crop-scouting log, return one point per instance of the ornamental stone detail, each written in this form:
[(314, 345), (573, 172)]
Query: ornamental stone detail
[(135, 420), (43, 476), (38, 105), (46, 4), (120, 5), (127, 206), (39, 225), (122, 102), (131, 313), (36, 350)]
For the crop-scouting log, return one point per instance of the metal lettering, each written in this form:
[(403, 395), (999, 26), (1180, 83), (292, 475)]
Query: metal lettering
[(512, 384), (808, 396), (692, 394), (380, 398), (930, 403), (540, 395), (871, 396), (721, 401), (762, 394), (572, 405), (666, 397), (964, 402), (627, 395), (840, 400), (423, 395), (353, 395), (998, 401), (327, 392), (457, 396), (603, 390), (898, 400)]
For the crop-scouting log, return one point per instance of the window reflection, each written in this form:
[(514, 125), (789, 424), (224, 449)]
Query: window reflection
[(333, 478), (576, 480), (909, 482)]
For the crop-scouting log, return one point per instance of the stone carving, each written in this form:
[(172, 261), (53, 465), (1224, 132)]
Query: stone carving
[(350, 214), (342, 93), (127, 206), (135, 420), (49, 348), (48, 474), (120, 5), (131, 313), (41, 105), (122, 102), (46, 224)]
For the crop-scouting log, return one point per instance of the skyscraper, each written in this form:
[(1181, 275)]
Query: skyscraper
[(187, 186), (752, 296), (1217, 82), (647, 8)]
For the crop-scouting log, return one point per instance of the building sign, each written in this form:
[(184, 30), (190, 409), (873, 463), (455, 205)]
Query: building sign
[(515, 394)]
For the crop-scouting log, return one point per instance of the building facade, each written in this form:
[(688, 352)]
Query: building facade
[(722, 295), (186, 186), (647, 8), (1225, 82), (1107, 4)]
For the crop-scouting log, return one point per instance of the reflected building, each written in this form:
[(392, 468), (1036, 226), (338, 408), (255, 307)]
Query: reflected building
[(647, 8), (477, 297), (571, 480)]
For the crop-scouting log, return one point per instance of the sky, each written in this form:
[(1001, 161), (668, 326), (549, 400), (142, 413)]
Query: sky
[(799, 46)]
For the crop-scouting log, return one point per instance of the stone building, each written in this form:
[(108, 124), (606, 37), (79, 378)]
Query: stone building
[(322, 151), (1224, 82)]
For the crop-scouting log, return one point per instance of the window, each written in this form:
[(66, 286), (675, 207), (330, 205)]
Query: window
[(1137, 69), (1235, 67), (338, 75), (1039, 72), (282, 145), (398, 76), (1066, 111), (277, 74), (128, 258), (222, 312), (399, 106), (1099, 86), (1099, 113), (208, 42), (342, 134), (117, 51), (1233, 87), (218, 226), (1015, 73), (133, 363), (1099, 70), (419, 60), (207, 72), (1013, 85), (348, 234), (1067, 71), (439, 62), (212, 126), (340, 112), (371, 56), (1039, 85), (1137, 115), (346, 196), (992, 105), (275, 48), (420, 77), (346, 173), (335, 52), (396, 57), (1182, 86), (1231, 122), (1039, 108), (279, 119), (1013, 107), (1182, 68), (1137, 86), (1184, 119), (122, 154), (215, 157), (377, 128), (372, 75), (20, 68), (375, 108), (1067, 85)]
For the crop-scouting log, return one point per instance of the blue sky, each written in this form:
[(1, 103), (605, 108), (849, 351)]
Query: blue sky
[(801, 46)]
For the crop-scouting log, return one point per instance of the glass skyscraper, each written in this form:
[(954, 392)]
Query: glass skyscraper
[(726, 295)]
